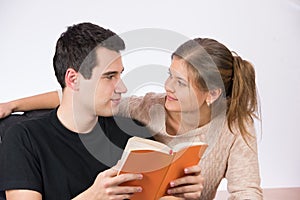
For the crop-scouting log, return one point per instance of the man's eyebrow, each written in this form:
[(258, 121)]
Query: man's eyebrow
[(111, 73)]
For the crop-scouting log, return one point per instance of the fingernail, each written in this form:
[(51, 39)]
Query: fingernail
[(186, 170), (172, 184), (140, 176), (169, 191), (139, 189)]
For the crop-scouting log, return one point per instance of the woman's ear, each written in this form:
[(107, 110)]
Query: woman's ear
[(213, 95), (71, 79)]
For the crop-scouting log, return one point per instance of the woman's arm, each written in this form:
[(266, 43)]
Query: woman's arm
[(242, 174), (139, 108), (41, 101)]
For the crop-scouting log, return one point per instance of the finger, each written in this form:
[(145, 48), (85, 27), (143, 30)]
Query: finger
[(189, 196), (170, 198), (185, 189), (126, 190), (187, 180), (126, 177), (121, 197), (110, 172), (118, 165), (196, 169)]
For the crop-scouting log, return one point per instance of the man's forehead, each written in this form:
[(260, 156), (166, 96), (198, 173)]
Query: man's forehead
[(108, 60), (106, 56)]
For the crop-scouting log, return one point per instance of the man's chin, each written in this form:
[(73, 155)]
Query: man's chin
[(105, 114), (108, 112)]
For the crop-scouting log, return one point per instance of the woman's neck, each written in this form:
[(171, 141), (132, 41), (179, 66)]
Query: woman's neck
[(178, 123)]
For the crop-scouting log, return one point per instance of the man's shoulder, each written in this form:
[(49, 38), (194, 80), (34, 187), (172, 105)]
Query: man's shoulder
[(26, 116), (28, 122), (36, 119)]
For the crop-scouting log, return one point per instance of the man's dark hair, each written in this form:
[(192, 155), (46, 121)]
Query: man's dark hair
[(76, 48)]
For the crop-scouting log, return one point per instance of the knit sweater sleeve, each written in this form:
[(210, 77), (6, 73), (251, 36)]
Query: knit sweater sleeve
[(242, 173), (129, 106), (140, 108)]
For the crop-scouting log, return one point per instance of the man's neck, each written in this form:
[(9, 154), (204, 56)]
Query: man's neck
[(75, 117)]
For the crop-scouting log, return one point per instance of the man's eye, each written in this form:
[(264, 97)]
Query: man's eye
[(170, 75), (110, 77)]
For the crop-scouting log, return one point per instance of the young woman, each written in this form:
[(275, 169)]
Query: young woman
[(211, 97)]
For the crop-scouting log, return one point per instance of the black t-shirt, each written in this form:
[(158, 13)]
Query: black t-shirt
[(14, 118), (44, 156)]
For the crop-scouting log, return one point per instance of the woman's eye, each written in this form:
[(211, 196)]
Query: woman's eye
[(170, 75), (180, 83)]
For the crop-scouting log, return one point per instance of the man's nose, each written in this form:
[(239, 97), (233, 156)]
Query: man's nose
[(120, 87)]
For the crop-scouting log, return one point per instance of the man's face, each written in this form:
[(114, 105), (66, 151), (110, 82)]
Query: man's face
[(102, 93)]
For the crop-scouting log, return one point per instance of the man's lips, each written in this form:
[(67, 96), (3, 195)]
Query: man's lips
[(117, 100)]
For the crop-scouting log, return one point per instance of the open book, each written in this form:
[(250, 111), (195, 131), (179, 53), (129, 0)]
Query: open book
[(158, 163)]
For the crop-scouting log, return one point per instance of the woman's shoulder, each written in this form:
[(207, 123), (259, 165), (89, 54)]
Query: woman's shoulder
[(236, 129)]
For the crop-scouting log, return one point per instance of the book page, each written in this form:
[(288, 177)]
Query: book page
[(137, 143)]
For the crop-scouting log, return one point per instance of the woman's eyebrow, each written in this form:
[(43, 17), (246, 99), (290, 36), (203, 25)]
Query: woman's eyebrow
[(176, 76), (180, 78)]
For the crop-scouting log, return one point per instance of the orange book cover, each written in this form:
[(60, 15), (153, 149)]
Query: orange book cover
[(158, 163)]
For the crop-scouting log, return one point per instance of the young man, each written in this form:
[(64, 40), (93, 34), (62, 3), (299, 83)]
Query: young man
[(55, 157)]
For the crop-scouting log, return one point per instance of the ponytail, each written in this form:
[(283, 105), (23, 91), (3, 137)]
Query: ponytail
[(243, 101)]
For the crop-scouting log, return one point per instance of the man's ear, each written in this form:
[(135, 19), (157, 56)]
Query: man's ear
[(213, 95), (71, 79)]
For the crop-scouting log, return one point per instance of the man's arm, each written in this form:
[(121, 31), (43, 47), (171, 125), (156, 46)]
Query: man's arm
[(41, 101), (106, 186), (23, 195)]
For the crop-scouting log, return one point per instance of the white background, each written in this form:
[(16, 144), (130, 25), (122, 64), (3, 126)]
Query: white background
[(265, 32)]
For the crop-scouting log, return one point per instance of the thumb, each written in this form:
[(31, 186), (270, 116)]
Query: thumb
[(118, 165)]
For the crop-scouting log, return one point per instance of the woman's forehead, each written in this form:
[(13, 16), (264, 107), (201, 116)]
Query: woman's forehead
[(179, 68)]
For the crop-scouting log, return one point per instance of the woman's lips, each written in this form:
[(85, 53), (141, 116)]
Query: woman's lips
[(171, 98)]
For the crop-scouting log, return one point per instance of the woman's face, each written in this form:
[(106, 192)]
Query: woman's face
[(182, 93)]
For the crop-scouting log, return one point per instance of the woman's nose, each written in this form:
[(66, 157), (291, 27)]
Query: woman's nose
[(169, 85)]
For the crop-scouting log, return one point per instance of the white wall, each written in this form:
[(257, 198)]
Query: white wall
[(264, 32)]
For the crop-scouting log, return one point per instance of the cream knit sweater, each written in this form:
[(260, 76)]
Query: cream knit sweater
[(227, 156)]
